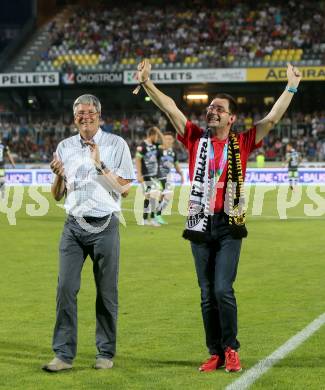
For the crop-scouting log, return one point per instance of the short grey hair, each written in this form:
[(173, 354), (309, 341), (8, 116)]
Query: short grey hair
[(87, 99)]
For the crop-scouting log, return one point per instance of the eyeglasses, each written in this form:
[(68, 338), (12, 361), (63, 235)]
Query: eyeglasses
[(218, 109), (91, 114)]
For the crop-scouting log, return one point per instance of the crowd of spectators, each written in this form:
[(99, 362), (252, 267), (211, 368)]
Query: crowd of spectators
[(37, 140), (34, 141), (203, 33)]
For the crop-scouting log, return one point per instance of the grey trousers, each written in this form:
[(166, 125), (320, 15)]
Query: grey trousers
[(103, 248)]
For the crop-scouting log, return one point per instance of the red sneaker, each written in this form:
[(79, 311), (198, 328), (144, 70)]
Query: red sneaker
[(232, 360), (212, 364)]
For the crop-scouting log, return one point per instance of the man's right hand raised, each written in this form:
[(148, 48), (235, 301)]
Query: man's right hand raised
[(56, 166), (162, 101), (144, 68)]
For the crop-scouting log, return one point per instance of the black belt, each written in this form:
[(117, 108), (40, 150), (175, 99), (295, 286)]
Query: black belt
[(91, 219)]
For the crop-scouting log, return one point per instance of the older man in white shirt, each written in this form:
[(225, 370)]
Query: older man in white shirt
[(92, 171)]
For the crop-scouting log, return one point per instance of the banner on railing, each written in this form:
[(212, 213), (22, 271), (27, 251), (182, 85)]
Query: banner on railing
[(310, 73), (38, 79), (225, 75), (100, 78), (41, 177), (280, 176), (186, 76)]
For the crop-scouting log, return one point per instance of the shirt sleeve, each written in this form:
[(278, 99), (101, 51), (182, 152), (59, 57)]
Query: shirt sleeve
[(247, 140), (58, 153), (124, 165), (191, 133)]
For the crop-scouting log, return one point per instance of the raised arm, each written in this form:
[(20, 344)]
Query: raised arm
[(160, 135), (162, 101), (114, 182), (280, 106)]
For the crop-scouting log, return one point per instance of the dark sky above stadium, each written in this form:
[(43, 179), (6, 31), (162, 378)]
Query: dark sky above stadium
[(15, 11)]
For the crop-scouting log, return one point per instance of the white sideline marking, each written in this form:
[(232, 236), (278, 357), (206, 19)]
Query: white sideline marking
[(250, 376)]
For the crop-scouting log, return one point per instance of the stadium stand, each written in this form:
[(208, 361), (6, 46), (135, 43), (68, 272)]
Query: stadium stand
[(7, 34), (28, 58), (15, 28), (183, 35), (234, 34), (237, 34)]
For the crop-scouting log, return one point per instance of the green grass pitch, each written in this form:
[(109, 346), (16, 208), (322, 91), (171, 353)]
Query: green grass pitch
[(280, 289)]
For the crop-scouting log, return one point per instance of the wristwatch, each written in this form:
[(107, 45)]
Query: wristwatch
[(101, 168)]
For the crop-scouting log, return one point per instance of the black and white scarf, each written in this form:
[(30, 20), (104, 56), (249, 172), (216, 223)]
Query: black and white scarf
[(203, 191)]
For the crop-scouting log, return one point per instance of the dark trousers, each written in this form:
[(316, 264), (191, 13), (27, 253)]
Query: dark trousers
[(103, 247), (216, 267)]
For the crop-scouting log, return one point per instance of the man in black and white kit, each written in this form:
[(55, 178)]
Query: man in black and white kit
[(147, 170), (4, 151), (167, 160)]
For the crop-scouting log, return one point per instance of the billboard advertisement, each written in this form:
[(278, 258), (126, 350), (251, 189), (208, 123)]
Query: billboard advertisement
[(41, 177), (310, 73), (185, 76), (39, 79), (94, 78)]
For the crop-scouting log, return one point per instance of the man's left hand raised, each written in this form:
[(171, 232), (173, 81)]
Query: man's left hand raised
[(94, 152), (293, 75)]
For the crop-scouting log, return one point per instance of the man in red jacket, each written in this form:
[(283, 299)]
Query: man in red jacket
[(216, 220)]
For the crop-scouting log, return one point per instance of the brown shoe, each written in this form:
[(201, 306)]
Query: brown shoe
[(56, 365), (103, 364)]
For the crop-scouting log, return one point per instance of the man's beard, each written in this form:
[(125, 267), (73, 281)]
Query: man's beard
[(214, 121)]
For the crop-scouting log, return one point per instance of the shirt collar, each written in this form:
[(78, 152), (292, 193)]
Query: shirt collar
[(95, 138), (219, 141)]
